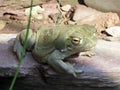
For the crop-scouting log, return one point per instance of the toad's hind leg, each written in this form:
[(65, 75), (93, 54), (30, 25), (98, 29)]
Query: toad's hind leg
[(19, 42)]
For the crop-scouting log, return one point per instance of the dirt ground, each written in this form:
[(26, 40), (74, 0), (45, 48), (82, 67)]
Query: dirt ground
[(15, 20), (15, 27), (11, 12)]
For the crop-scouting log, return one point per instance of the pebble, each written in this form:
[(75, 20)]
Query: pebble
[(114, 31), (2, 24), (66, 8), (39, 17), (35, 11)]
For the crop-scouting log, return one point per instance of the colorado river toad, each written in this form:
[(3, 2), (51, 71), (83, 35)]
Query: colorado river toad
[(53, 44)]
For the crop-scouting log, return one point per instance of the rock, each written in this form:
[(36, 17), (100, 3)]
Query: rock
[(114, 31), (8, 60), (35, 10), (66, 8), (86, 15), (81, 12), (39, 17), (2, 24), (100, 71), (50, 8), (104, 5), (71, 22)]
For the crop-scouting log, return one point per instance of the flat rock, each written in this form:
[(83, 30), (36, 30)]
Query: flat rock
[(8, 61), (101, 70)]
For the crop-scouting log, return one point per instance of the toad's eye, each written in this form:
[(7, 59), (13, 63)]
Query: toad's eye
[(76, 41)]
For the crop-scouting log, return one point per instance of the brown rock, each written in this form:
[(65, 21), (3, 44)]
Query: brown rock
[(81, 12), (50, 8), (86, 15)]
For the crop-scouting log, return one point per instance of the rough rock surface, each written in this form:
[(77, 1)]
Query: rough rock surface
[(86, 15), (102, 70)]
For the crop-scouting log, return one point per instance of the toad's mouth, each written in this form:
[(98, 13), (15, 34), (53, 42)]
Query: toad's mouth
[(90, 48)]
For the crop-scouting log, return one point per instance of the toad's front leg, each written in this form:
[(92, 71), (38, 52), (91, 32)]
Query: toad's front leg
[(87, 53), (19, 42), (55, 60)]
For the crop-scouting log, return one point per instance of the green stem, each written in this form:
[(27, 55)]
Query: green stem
[(23, 49)]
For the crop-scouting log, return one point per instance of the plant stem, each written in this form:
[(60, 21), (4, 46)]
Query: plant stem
[(23, 49)]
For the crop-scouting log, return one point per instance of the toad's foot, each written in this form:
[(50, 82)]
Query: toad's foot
[(87, 53)]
